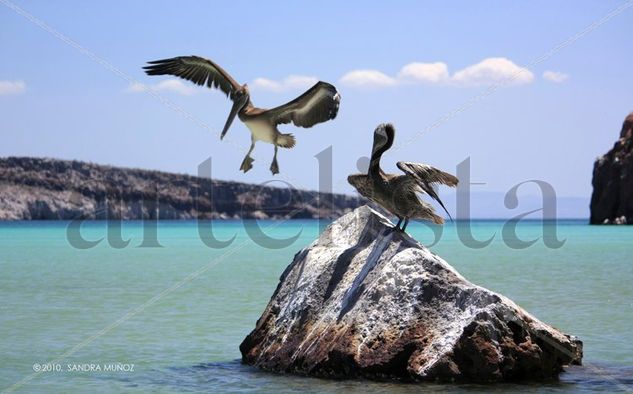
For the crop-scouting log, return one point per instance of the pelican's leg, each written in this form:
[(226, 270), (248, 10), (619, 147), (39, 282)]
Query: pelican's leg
[(406, 222), (399, 221), (274, 167), (247, 163)]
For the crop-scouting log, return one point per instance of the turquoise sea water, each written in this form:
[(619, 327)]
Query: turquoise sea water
[(179, 312)]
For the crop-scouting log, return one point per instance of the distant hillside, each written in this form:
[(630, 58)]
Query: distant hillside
[(49, 189)]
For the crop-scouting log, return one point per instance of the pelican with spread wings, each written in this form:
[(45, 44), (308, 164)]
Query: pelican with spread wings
[(398, 193), (318, 104)]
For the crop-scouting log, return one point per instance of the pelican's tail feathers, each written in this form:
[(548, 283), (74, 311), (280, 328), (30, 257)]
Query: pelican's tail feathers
[(286, 140)]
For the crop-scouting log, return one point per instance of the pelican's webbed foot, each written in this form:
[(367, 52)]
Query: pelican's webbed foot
[(274, 167), (247, 164)]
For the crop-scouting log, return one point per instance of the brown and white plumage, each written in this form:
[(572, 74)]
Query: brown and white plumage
[(318, 104), (425, 176), (398, 194), (405, 203)]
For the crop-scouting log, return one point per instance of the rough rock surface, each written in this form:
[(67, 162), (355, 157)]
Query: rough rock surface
[(612, 198), (366, 301), (43, 189)]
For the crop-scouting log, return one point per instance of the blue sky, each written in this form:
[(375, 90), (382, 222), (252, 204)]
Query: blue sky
[(56, 101)]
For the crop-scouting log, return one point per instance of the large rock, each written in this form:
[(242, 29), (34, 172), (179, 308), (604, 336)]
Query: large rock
[(367, 301), (612, 198)]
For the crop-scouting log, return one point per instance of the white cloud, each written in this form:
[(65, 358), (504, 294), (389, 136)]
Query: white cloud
[(136, 87), (291, 82), (12, 87), (424, 72), (488, 71), (555, 76), (170, 85), (493, 70), (368, 78)]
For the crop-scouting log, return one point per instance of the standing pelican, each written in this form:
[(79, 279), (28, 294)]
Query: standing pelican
[(398, 193), (318, 104)]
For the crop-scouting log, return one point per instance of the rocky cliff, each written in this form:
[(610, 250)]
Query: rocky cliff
[(42, 189), (367, 301), (612, 198)]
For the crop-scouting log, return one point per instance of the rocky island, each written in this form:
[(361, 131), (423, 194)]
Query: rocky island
[(612, 198), (50, 189), (366, 301)]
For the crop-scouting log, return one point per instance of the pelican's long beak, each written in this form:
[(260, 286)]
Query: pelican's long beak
[(237, 106)]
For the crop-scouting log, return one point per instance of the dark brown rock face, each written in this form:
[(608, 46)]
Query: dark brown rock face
[(366, 301), (612, 199), (43, 189)]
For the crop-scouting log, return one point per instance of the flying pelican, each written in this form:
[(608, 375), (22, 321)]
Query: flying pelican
[(318, 104), (398, 193)]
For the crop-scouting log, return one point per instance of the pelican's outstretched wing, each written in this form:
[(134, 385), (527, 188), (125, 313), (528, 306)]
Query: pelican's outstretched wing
[(196, 69), (425, 175), (318, 104)]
